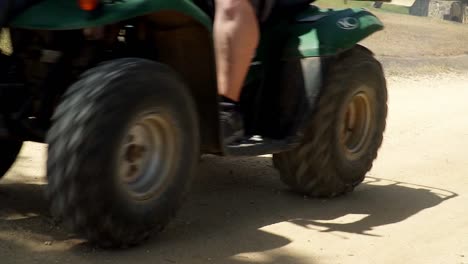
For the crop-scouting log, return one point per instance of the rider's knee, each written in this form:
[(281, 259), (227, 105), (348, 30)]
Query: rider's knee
[(230, 9)]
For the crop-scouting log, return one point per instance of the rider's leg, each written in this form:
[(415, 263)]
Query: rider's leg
[(236, 35)]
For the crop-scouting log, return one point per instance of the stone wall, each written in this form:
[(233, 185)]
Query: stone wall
[(453, 10), (446, 10), (465, 15)]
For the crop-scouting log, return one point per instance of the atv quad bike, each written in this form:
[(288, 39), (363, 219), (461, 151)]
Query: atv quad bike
[(124, 93)]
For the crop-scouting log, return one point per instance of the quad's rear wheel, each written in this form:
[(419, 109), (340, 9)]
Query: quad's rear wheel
[(9, 150), (122, 151), (342, 138)]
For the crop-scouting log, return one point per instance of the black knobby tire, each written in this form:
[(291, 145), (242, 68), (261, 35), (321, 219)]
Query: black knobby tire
[(9, 151), (90, 139), (331, 160)]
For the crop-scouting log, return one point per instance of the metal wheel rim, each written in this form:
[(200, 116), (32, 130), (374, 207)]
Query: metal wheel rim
[(356, 125), (147, 155)]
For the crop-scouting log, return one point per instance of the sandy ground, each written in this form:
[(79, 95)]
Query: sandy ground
[(412, 36), (412, 208)]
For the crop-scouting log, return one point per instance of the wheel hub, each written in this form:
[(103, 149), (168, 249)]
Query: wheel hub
[(147, 155), (356, 125)]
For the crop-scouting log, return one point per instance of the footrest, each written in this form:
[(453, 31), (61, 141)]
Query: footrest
[(256, 145)]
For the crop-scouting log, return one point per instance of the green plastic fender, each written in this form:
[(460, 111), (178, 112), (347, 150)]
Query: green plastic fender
[(323, 32), (65, 14)]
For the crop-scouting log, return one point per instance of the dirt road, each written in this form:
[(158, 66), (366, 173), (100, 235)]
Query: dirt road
[(412, 208), (410, 36)]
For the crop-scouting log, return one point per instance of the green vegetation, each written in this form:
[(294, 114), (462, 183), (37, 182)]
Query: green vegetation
[(386, 7)]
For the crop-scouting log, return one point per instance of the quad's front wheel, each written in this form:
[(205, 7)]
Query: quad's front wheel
[(122, 151), (342, 138)]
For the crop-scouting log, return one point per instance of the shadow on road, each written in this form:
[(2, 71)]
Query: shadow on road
[(378, 205), (230, 212)]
